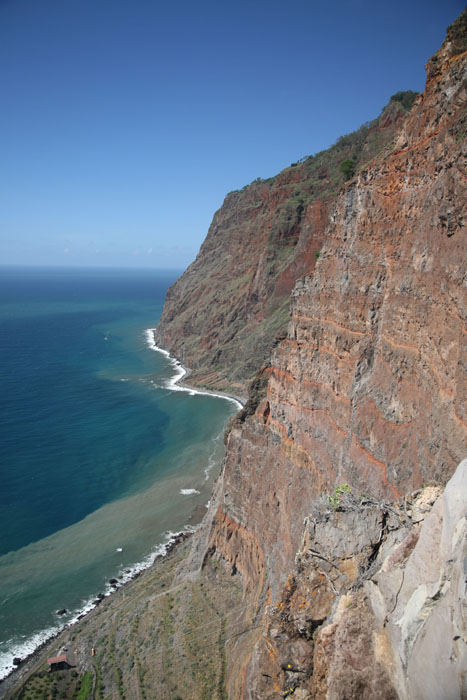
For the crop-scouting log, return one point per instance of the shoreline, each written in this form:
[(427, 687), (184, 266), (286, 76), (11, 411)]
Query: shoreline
[(210, 392), (26, 664), (14, 672), (179, 383)]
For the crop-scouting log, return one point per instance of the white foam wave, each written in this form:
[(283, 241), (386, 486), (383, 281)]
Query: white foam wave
[(24, 648), (188, 492), (212, 461), (180, 372)]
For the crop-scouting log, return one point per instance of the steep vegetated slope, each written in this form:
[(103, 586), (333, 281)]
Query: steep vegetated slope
[(156, 638), (222, 316)]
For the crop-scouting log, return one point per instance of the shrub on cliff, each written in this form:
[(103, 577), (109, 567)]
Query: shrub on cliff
[(347, 168), (405, 98)]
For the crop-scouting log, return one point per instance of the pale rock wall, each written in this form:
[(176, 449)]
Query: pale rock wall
[(376, 606)]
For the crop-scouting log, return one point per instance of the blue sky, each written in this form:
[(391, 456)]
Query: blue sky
[(124, 123)]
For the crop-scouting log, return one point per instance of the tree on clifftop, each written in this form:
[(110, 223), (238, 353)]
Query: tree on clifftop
[(405, 98)]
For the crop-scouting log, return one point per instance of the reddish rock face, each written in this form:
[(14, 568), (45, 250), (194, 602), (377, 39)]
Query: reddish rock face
[(222, 316), (370, 383), (369, 387)]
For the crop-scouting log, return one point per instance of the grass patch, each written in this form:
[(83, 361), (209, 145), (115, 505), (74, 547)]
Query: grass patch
[(85, 690)]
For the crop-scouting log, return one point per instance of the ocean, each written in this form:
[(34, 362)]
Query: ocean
[(102, 455)]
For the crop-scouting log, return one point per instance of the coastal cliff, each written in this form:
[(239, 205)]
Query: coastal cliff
[(368, 387), (331, 561), (233, 302)]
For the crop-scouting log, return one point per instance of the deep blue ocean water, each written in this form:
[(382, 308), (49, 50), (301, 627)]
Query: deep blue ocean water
[(100, 458)]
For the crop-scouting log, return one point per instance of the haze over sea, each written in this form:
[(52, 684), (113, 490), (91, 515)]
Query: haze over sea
[(101, 457)]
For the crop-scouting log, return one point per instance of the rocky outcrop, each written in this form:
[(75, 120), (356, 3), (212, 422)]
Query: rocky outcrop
[(376, 606), (222, 316)]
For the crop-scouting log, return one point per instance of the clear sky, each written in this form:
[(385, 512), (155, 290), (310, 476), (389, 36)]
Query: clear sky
[(123, 123)]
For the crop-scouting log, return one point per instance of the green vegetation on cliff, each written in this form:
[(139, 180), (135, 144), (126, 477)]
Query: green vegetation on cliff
[(406, 99)]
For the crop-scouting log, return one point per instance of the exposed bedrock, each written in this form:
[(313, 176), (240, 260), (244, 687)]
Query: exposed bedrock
[(222, 316), (366, 387), (376, 606), (369, 386)]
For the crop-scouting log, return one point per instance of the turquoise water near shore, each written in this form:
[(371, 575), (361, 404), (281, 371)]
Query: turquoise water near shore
[(101, 459)]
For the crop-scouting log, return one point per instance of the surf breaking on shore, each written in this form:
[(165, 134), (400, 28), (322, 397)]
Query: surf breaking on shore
[(173, 383), (24, 647)]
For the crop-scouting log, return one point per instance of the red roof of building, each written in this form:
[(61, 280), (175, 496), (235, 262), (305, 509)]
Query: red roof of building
[(57, 659)]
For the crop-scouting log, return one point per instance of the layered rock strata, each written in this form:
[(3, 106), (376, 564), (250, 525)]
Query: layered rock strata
[(369, 386), (222, 316)]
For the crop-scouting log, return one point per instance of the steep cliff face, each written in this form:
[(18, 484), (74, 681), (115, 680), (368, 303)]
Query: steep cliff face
[(376, 605), (369, 386), (222, 315)]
